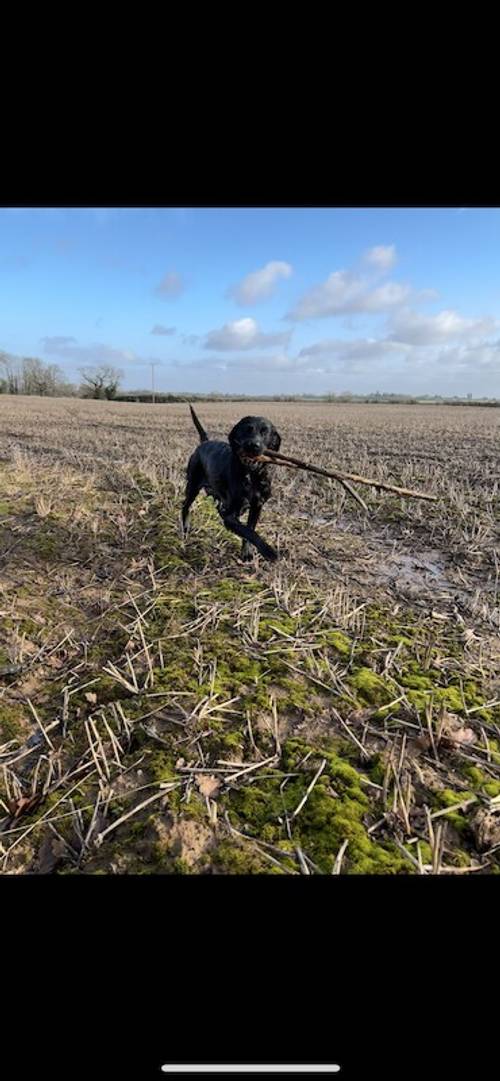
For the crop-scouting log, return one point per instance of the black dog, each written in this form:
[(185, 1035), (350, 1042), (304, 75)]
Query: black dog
[(230, 473)]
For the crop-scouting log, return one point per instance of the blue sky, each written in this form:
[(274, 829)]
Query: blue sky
[(258, 300)]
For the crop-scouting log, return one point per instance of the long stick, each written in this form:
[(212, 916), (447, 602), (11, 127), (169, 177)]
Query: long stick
[(344, 483), (274, 456)]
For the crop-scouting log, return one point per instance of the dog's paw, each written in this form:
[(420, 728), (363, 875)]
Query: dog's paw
[(270, 554)]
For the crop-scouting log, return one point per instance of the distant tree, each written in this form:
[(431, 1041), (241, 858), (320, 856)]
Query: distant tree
[(101, 381), (10, 374), (30, 375), (39, 378)]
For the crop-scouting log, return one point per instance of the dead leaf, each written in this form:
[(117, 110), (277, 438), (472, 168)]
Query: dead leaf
[(486, 828), (207, 784), (423, 742), (453, 731), (91, 697), (361, 716), (50, 854), (464, 735), (22, 805)]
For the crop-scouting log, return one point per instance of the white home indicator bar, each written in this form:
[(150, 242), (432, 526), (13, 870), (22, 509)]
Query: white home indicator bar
[(256, 1068)]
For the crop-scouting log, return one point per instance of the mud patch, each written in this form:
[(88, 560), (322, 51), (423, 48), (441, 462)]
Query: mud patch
[(188, 840), (413, 573)]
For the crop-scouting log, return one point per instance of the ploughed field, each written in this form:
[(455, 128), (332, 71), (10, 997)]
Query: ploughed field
[(167, 709)]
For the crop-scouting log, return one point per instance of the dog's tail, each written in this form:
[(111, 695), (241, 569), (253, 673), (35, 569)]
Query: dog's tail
[(201, 431)]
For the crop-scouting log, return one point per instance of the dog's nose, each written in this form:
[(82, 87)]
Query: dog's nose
[(253, 447)]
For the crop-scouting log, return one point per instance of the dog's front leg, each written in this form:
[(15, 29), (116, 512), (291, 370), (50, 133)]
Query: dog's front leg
[(232, 522), (253, 517)]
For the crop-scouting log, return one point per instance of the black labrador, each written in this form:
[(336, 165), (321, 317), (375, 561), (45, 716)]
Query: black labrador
[(230, 473)]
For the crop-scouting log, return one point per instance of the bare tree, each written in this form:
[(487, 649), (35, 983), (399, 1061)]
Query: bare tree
[(101, 381), (9, 382), (40, 378)]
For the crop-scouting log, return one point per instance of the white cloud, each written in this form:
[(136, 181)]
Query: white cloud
[(414, 329), (352, 292), (385, 296), (97, 353), (368, 362), (159, 329), (346, 292), (171, 286), (358, 349), (482, 357), (55, 344), (279, 362), (382, 257), (260, 284), (243, 334)]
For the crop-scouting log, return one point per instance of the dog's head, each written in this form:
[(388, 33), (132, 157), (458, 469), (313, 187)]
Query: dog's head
[(252, 436)]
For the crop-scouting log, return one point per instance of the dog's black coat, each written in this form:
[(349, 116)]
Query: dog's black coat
[(226, 472)]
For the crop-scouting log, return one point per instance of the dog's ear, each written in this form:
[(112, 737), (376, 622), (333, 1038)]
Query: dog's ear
[(275, 440), (233, 435)]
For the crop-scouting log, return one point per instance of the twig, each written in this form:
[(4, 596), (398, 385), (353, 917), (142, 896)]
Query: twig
[(114, 825), (274, 456), (408, 855), (40, 725), (339, 857), (255, 765), (302, 863), (309, 790)]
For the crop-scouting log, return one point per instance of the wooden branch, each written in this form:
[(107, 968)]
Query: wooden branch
[(290, 465), (272, 456)]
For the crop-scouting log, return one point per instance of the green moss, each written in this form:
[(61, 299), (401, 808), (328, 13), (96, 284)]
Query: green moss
[(451, 698), (446, 798), (425, 851), (420, 689), (340, 642), (280, 625), (417, 682), (370, 687), (377, 769), (11, 722), (334, 812), (234, 589), (492, 788), (474, 774), (231, 858), (459, 858), (161, 765)]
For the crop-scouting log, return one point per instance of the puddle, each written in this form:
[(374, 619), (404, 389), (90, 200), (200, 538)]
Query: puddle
[(424, 569), (315, 519)]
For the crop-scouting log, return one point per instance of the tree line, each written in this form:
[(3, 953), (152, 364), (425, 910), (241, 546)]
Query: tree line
[(29, 375)]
